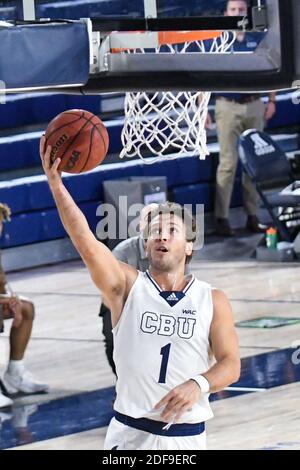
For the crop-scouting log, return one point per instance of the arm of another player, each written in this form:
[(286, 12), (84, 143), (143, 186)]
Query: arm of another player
[(224, 343), (107, 273)]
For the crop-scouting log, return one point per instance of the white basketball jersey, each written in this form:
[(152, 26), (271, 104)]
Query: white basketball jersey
[(161, 341)]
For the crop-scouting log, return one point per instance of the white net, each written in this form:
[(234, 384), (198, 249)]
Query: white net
[(165, 125)]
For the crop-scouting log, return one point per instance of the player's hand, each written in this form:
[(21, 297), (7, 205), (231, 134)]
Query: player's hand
[(16, 308), (179, 400), (51, 169), (270, 110)]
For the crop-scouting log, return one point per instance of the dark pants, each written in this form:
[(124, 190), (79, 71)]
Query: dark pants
[(108, 336)]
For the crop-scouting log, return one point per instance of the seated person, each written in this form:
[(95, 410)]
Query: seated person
[(16, 379)]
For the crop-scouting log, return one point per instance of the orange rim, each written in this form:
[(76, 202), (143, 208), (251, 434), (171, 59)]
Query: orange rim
[(178, 37)]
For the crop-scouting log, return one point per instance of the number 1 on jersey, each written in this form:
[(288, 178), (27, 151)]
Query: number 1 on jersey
[(164, 352)]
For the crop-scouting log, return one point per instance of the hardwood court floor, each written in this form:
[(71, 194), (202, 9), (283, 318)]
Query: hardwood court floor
[(67, 351)]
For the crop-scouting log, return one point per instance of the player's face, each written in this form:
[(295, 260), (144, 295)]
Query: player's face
[(166, 245), (236, 8)]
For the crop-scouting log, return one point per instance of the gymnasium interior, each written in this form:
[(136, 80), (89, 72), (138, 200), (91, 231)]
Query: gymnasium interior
[(66, 349)]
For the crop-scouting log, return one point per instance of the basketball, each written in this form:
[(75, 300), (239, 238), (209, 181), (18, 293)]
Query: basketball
[(79, 139)]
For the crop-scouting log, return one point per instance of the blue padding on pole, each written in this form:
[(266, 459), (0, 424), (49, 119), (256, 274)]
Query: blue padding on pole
[(262, 158), (44, 55)]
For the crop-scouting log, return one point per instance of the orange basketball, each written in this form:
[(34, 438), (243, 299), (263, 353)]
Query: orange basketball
[(79, 138)]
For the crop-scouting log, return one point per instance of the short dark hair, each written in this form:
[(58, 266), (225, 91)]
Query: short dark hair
[(182, 212)]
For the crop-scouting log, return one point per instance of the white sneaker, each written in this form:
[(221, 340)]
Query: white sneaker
[(5, 401), (25, 383)]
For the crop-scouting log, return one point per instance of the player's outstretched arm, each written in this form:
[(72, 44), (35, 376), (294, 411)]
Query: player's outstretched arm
[(105, 270)]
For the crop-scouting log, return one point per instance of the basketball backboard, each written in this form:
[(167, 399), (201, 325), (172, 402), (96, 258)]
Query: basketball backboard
[(273, 64), (120, 27)]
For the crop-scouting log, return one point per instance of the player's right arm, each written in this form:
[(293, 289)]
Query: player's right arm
[(114, 279)]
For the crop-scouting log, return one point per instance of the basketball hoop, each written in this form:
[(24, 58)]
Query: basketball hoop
[(166, 124)]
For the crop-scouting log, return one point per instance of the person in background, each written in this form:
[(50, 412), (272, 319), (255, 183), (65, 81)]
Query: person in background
[(16, 379), (235, 113)]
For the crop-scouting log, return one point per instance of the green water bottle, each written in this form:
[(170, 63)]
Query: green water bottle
[(271, 238)]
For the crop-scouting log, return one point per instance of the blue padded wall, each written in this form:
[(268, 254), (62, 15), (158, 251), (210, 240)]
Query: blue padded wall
[(27, 109), (287, 111), (22, 150), (204, 193), (32, 193), (35, 218), (195, 194), (41, 226), (185, 169)]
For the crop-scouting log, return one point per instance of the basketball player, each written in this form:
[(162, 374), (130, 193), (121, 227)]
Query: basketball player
[(131, 251), (166, 327)]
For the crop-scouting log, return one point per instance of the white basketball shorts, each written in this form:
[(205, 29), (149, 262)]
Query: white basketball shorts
[(122, 437)]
